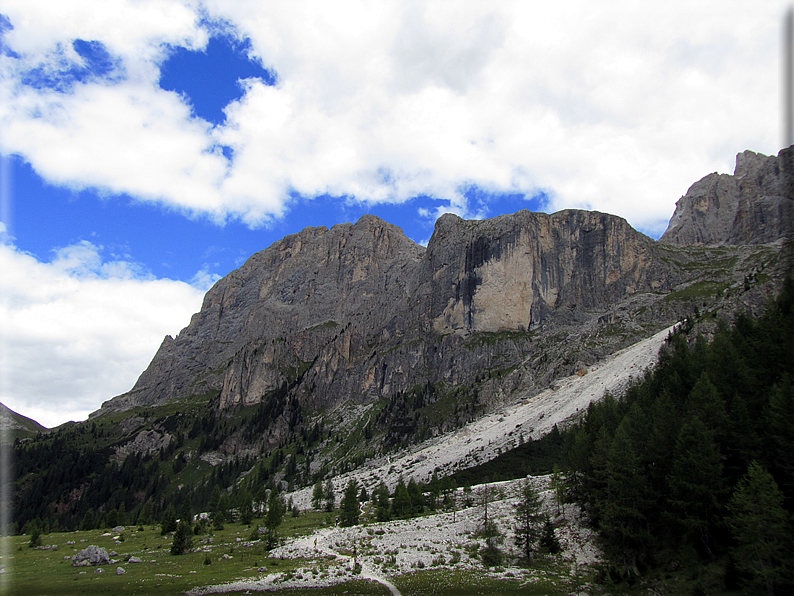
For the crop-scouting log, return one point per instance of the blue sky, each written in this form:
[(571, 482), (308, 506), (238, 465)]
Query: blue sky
[(148, 149)]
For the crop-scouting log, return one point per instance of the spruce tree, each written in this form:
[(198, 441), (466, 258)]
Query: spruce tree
[(275, 514), (382, 511), (349, 510), (215, 496), (145, 516), (695, 483), (548, 540), (183, 539), (416, 497), (246, 506), (220, 515), (112, 518), (186, 513), (401, 504), (89, 520), (761, 527), (168, 521), (625, 501), (528, 519), (328, 494), (317, 495)]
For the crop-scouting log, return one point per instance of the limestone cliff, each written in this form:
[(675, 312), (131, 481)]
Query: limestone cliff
[(753, 206), (361, 313)]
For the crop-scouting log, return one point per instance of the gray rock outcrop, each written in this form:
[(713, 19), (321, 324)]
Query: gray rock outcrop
[(91, 555), (145, 442), (753, 206), (360, 313)]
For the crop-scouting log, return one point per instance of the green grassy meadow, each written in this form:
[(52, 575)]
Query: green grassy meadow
[(50, 572)]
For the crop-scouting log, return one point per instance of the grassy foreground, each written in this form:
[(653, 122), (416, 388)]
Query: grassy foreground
[(50, 572)]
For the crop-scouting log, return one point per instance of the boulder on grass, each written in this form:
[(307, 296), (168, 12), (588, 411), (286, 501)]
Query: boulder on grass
[(93, 555)]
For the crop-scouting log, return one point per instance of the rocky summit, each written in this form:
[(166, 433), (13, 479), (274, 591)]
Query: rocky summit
[(754, 206), (360, 313)]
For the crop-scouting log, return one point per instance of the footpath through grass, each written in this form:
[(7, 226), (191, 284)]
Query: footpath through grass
[(231, 556)]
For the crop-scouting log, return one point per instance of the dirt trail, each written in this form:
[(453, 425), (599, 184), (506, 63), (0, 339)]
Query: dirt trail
[(366, 571)]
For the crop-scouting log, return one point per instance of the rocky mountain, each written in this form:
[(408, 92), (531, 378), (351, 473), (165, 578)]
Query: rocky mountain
[(13, 425), (361, 314), (754, 206), (353, 352)]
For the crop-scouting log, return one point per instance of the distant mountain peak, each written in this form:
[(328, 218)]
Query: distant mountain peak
[(755, 205)]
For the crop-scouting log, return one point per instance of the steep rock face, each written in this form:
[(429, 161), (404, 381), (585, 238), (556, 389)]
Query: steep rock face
[(514, 271), (361, 313), (753, 206), (277, 310)]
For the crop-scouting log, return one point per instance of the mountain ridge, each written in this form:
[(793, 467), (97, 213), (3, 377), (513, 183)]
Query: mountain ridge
[(360, 312)]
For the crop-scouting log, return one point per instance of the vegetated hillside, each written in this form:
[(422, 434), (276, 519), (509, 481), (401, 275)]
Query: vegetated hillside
[(16, 426), (335, 347), (694, 466)]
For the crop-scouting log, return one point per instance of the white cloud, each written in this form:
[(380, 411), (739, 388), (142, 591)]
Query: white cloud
[(613, 106), (79, 330)]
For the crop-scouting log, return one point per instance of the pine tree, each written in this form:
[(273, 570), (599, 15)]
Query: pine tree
[(215, 496), (145, 516), (318, 495), (625, 501), (548, 540), (349, 510), (558, 488), (695, 482), (761, 527), (528, 519), (183, 539), (382, 511), (246, 506), (89, 520), (401, 504), (168, 521), (112, 518), (328, 493), (275, 515), (220, 515)]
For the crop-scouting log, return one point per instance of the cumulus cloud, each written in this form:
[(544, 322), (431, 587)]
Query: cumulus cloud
[(80, 329), (612, 106)]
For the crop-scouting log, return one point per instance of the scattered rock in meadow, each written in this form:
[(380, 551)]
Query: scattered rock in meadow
[(91, 555)]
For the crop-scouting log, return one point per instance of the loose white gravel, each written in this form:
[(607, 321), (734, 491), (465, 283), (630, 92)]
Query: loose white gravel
[(530, 415)]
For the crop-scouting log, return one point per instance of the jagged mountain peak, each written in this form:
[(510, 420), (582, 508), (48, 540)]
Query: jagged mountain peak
[(361, 312), (755, 205)]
